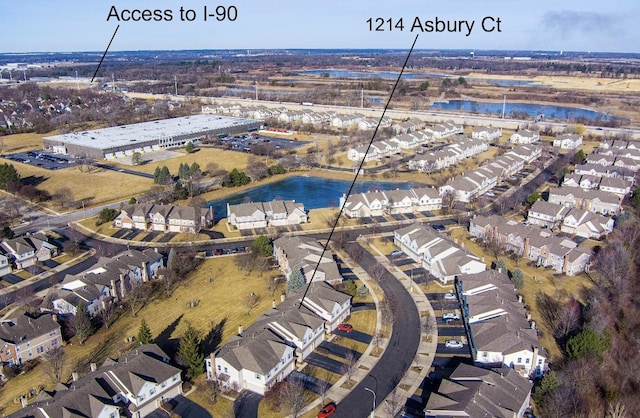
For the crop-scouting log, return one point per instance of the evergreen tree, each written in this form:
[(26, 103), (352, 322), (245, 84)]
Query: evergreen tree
[(517, 278), (189, 147), (8, 176), (84, 326), (295, 282), (587, 342), (144, 333), (194, 169), (183, 171), (156, 175), (190, 353), (165, 175)]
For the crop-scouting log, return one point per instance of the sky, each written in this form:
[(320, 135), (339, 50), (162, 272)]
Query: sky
[(569, 25)]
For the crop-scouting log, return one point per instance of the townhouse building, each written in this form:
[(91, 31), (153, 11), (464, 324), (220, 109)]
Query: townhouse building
[(164, 218), (25, 337), (266, 214)]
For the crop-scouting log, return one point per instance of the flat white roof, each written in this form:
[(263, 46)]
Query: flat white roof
[(146, 132)]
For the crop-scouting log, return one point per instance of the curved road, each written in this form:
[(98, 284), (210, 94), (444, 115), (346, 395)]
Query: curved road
[(402, 348)]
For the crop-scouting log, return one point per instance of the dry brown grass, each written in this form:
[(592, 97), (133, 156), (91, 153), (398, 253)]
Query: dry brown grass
[(168, 316), (99, 185), (22, 142)]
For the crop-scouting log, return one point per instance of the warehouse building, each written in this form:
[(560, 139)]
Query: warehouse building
[(123, 141)]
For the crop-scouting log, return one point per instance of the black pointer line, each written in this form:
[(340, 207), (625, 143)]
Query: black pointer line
[(105, 53), (355, 178)]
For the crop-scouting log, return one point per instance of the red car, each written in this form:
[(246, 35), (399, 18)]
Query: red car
[(327, 411), (345, 327)]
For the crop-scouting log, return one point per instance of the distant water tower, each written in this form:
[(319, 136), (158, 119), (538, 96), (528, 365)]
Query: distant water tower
[(472, 54)]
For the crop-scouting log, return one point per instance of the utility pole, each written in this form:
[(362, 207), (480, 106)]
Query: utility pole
[(175, 81)]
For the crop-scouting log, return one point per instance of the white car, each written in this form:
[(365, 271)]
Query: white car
[(396, 253), (453, 344), (450, 316), (450, 296)]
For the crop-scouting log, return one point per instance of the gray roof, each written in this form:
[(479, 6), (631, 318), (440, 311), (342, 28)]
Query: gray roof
[(87, 396), (480, 393), (26, 327), (143, 133)]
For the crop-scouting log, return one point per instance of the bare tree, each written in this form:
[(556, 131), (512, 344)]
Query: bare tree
[(349, 365), (250, 301), (54, 362), (137, 297), (108, 314), (393, 403), (63, 196), (428, 324), (378, 272), (292, 396), (323, 385), (568, 320), (449, 199)]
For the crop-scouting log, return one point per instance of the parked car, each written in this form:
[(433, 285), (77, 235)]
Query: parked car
[(439, 227), (345, 327), (396, 253), (453, 316), (218, 251), (450, 296), (453, 344), (328, 410)]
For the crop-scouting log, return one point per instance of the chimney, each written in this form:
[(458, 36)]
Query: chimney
[(23, 401), (54, 317), (114, 291), (482, 259), (528, 316), (240, 329), (123, 286), (282, 297), (145, 272), (520, 298), (74, 376), (273, 303), (533, 324), (499, 269), (93, 367)]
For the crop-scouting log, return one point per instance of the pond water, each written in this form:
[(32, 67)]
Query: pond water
[(314, 192), (519, 109)]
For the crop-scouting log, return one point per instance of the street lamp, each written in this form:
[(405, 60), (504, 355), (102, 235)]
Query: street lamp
[(373, 409)]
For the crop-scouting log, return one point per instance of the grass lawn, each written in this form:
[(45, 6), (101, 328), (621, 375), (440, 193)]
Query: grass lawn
[(99, 185), (164, 316), (22, 142), (535, 279), (227, 160)]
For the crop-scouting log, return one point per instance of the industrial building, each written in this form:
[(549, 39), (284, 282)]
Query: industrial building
[(123, 141)]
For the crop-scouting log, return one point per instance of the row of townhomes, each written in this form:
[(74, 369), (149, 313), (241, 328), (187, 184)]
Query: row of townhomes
[(576, 221), (533, 243), (301, 255), (606, 171), (477, 392), (620, 148), (437, 254), (22, 252), (567, 142), (615, 185), (613, 160), (524, 137), (391, 202), (469, 185), (410, 139), (110, 279), (165, 218), (487, 133), (133, 385), (266, 214), (596, 201), (387, 147), (500, 329), (449, 155), (26, 337), (268, 351)]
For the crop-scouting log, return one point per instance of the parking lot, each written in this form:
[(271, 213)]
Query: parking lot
[(47, 160), (247, 143)]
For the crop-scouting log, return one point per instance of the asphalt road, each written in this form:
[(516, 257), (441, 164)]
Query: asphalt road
[(399, 354)]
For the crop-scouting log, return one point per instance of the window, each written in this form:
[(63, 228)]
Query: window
[(527, 360), (175, 378), (282, 361), (39, 350), (539, 362), (257, 376), (219, 368), (225, 370), (519, 360), (8, 352)]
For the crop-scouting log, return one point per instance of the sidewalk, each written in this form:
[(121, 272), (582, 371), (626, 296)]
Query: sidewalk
[(421, 364)]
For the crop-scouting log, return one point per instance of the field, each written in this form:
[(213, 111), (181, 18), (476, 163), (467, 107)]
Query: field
[(221, 301), (99, 185), (11, 144)]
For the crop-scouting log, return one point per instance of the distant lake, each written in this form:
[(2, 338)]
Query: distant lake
[(313, 192), (528, 109), (391, 75)]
